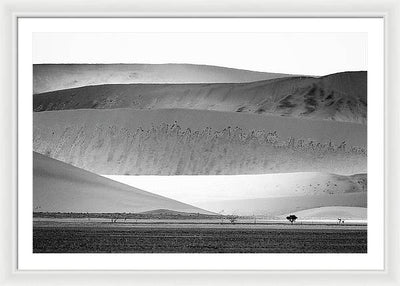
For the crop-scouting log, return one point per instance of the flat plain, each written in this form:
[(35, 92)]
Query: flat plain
[(201, 237)]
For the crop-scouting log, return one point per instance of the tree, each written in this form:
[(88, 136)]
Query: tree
[(114, 218), (233, 218), (291, 218)]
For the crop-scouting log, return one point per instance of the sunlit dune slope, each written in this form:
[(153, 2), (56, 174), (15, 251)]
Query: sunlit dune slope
[(268, 194), (344, 213), (190, 142), (59, 187), (195, 189), (50, 77), (339, 97), (277, 206)]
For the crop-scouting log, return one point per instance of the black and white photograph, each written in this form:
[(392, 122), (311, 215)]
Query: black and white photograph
[(200, 142)]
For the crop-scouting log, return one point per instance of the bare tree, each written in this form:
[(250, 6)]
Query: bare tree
[(114, 218), (233, 218)]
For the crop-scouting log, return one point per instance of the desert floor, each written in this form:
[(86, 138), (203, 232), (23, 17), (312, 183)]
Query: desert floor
[(208, 236)]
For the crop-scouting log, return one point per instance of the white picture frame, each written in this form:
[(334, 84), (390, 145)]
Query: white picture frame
[(12, 10)]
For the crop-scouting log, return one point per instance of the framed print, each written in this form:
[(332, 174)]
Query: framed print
[(214, 144), (171, 137)]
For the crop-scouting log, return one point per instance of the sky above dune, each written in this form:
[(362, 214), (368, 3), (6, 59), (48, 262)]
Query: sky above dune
[(292, 53)]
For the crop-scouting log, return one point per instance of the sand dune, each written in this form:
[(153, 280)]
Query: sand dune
[(339, 97), (304, 136), (133, 142), (59, 187), (51, 77), (269, 194), (195, 189), (344, 213), (276, 207)]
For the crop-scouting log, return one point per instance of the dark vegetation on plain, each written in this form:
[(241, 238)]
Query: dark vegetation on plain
[(196, 240), (291, 218), (158, 214)]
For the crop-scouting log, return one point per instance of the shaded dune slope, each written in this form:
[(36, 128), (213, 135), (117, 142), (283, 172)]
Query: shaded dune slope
[(51, 77), (339, 97), (131, 142), (59, 187)]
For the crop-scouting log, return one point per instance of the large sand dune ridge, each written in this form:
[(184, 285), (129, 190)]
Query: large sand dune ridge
[(339, 97), (131, 142), (51, 77)]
